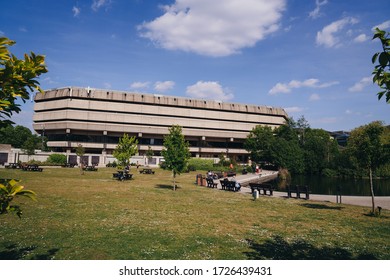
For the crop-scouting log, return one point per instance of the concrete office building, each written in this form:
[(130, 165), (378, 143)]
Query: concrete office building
[(97, 118)]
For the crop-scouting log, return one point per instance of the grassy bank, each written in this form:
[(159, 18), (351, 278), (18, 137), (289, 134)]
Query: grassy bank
[(92, 216)]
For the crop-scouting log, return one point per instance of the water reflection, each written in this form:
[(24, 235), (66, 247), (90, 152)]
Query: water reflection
[(325, 185)]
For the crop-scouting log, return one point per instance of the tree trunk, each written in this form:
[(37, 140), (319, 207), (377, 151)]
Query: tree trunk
[(372, 191), (174, 180)]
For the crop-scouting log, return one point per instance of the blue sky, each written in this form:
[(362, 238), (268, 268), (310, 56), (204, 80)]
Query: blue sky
[(311, 57)]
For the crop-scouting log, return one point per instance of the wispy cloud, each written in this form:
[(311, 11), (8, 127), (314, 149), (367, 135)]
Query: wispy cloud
[(209, 90), (359, 86), (291, 110), (316, 12), (382, 26), (314, 97), (97, 4), (76, 11), (309, 83), (330, 35), (140, 85), (164, 86), (211, 29), (361, 38)]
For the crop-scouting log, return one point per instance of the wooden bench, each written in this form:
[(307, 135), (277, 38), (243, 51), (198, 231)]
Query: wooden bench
[(298, 190), (146, 171), (211, 183), (262, 187), (229, 185), (32, 167), (121, 176)]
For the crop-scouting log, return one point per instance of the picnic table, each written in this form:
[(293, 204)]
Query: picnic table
[(122, 175), (89, 168), (13, 166), (146, 171), (70, 165), (32, 167)]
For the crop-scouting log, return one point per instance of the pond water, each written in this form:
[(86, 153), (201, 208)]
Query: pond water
[(326, 185)]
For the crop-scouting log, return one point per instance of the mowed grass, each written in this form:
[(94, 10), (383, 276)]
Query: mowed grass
[(93, 216)]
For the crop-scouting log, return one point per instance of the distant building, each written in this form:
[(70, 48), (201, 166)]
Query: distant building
[(341, 137), (97, 118)]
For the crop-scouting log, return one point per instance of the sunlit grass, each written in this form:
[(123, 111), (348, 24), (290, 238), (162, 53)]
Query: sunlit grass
[(92, 216)]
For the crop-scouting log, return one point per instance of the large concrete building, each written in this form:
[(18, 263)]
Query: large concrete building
[(97, 118)]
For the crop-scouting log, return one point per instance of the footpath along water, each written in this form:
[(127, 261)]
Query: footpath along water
[(382, 201)]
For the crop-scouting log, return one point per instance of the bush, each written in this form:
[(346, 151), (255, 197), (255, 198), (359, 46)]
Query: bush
[(59, 159), (200, 164), (112, 164), (329, 172)]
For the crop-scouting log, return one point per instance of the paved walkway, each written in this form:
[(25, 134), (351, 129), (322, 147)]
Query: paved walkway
[(382, 201)]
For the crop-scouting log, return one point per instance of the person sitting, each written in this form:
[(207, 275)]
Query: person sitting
[(237, 184)]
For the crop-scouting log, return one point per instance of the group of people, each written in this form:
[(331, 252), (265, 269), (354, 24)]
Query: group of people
[(214, 176)]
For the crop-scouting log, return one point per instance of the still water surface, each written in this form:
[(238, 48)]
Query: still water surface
[(325, 185)]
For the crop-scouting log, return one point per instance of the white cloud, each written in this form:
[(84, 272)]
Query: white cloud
[(164, 86), (316, 12), (314, 97), (76, 11), (209, 90), (328, 120), (359, 86), (213, 28), (382, 26), (139, 85), (361, 38), (97, 4), (330, 35), (107, 85), (290, 110), (310, 83)]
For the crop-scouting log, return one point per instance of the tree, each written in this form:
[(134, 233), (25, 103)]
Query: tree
[(149, 154), (176, 152), (9, 190), (15, 136), (302, 125), (259, 142), (30, 145), (127, 147), (80, 151), (382, 70), (319, 149), (17, 79), (287, 155), (368, 151)]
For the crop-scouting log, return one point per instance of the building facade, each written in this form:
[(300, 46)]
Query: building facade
[(97, 118)]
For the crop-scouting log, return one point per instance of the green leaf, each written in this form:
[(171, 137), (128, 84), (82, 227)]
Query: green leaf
[(383, 59), (374, 57)]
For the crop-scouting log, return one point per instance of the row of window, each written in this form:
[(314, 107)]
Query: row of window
[(143, 141)]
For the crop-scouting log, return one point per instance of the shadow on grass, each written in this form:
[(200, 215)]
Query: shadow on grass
[(321, 206), (169, 187), (279, 249), (13, 252)]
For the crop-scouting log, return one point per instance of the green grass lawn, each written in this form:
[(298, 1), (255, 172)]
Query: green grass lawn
[(93, 217)]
